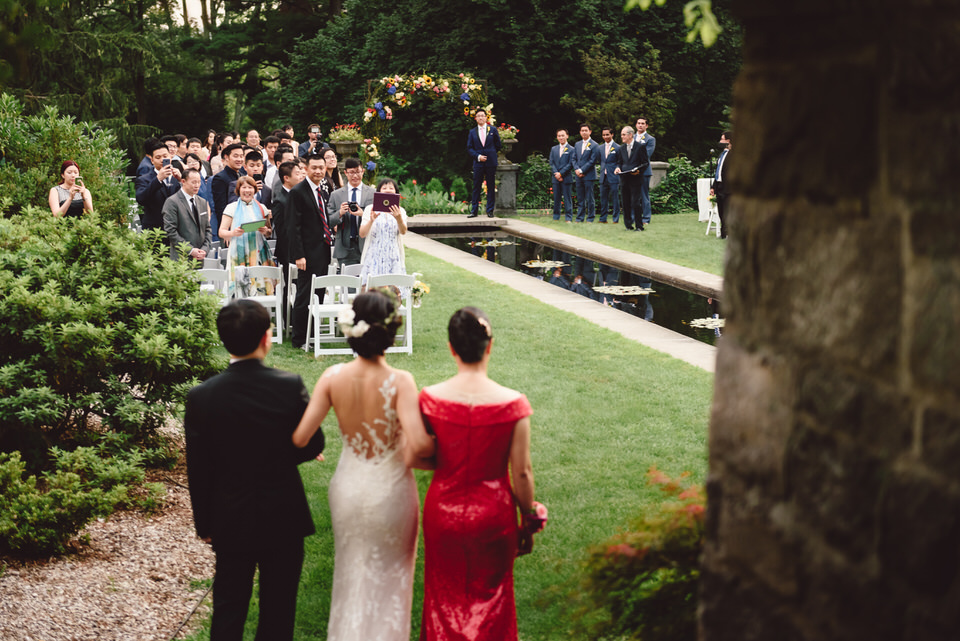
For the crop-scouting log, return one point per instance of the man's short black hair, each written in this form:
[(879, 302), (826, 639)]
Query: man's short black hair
[(226, 151), (180, 138), (190, 141), (270, 139), (156, 144), (168, 138), (585, 124), (278, 154), (253, 156), (187, 171), (350, 163), (728, 135), (286, 168), (149, 145), (610, 129), (241, 324)]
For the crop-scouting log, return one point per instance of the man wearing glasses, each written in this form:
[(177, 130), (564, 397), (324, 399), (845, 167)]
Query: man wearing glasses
[(349, 201)]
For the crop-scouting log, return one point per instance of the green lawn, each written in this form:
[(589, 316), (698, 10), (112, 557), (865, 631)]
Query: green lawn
[(605, 410), (675, 238)]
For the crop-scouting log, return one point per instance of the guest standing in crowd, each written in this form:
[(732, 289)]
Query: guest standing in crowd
[(153, 188), (383, 232), (247, 248), (349, 202), (70, 198)]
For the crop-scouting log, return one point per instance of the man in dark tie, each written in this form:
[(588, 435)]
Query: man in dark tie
[(719, 187), (186, 219), (483, 143), (310, 235), (154, 187), (631, 163), (609, 181), (349, 246), (247, 495)]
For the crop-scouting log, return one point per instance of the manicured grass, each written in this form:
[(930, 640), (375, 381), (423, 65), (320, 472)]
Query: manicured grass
[(675, 238), (605, 410)]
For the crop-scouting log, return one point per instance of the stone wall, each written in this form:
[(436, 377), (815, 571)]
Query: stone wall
[(834, 486)]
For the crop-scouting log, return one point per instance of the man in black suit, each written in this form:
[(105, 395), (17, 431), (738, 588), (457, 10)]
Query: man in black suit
[(223, 184), (310, 235), (719, 187), (247, 495), (186, 219), (631, 163), (154, 187), (290, 174)]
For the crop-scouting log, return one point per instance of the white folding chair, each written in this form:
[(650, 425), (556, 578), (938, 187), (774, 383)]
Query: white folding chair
[(322, 315), (707, 209), (215, 281), (405, 283), (292, 274), (212, 263), (272, 302), (351, 270)]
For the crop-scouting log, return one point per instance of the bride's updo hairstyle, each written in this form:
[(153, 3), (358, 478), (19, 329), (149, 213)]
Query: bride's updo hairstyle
[(377, 310), (469, 333)]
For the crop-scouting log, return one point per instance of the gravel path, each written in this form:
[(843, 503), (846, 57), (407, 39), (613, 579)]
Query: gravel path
[(138, 579)]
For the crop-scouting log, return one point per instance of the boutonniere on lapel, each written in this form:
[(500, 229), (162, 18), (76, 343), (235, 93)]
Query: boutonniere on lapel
[(563, 149), (643, 137), (586, 145)]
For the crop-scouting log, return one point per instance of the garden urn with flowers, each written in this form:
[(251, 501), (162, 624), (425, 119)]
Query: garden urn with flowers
[(508, 138), (346, 139)]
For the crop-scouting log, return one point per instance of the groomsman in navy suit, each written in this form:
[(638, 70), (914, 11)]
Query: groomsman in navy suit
[(649, 143), (586, 155), (483, 143), (609, 181), (561, 164), (631, 162)]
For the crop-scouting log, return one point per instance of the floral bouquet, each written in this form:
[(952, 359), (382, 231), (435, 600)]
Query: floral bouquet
[(534, 521), (419, 289), (345, 133)]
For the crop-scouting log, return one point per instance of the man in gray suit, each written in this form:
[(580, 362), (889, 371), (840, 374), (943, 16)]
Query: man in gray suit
[(649, 143), (349, 245), (186, 219)]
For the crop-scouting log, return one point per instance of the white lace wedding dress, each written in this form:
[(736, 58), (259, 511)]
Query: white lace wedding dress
[(374, 507)]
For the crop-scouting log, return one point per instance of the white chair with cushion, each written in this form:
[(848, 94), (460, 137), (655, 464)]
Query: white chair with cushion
[(272, 302), (322, 315), (405, 284)]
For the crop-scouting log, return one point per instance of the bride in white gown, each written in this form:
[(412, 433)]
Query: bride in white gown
[(373, 496)]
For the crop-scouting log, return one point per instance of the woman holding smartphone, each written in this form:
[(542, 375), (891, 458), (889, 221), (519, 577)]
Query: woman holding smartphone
[(70, 198)]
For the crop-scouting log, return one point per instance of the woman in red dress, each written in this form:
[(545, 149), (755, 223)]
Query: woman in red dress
[(470, 527)]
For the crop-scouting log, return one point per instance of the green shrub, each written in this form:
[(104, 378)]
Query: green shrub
[(99, 331), (677, 192), (32, 148), (39, 516), (533, 183), (435, 186), (416, 201), (642, 584), (459, 190)]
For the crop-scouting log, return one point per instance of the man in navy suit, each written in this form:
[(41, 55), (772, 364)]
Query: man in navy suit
[(586, 154), (247, 495), (154, 187), (561, 164), (719, 187), (310, 238), (609, 181), (631, 163), (483, 143), (649, 143)]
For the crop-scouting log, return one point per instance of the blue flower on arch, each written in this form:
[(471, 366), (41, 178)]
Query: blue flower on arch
[(371, 165), (391, 90), (465, 97)]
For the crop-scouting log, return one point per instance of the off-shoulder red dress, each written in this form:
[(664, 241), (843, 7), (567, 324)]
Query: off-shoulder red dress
[(470, 522)]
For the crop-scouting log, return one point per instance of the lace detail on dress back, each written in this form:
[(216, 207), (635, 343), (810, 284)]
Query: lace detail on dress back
[(379, 440)]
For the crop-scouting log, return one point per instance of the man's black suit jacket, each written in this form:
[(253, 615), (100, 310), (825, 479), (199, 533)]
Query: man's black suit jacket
[(280, 225), (151, 195), (304, 222), (636, 160), (242, 465)]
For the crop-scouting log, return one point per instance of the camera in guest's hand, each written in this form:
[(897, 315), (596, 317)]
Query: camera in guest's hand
[(353, 206)]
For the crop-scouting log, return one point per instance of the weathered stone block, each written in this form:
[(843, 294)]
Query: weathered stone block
[(941, 443), (835, 487), (752, 402), (827, 115), (920, 534), (876, 417), (934, 305), (735, 609)]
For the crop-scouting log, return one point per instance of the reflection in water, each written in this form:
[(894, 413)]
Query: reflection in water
[(666, 306)]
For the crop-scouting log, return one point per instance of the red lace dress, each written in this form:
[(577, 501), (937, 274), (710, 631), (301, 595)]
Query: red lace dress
[(470, 522)]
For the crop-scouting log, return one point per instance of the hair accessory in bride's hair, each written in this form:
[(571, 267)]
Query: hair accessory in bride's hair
[(486, 325), (345, 319)]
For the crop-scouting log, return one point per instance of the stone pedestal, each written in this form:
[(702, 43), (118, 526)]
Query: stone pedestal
[(506, 148), (659, 172), (506, 189), (346, 149)]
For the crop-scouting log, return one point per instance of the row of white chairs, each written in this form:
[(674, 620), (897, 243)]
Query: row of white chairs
[(339, 291)]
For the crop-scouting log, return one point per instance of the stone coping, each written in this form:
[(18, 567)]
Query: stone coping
[(691, 280), (659, 338)]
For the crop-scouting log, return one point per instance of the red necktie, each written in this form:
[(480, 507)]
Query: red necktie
[(327, 236)]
